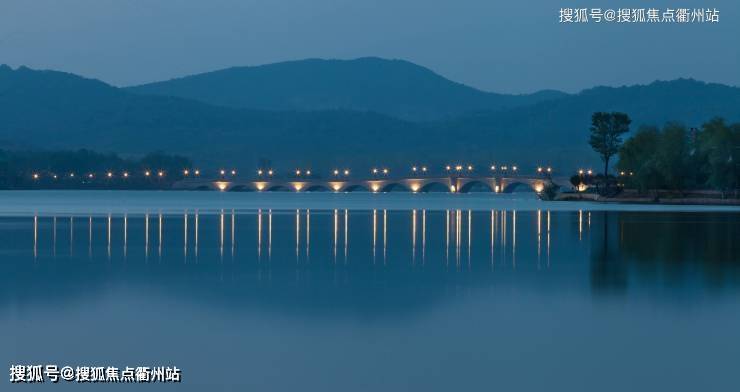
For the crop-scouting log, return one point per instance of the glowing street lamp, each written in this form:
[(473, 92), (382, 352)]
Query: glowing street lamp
[(590, 172), (375, 170), (424, 169), (90, 175), (269, 172), (539, 170), (448, 168), (549, 170), (493, 167), (514, 168), (125, 174), (580, 172), (298, 172), (308, 172), (336, 172), (458, 167), (222, 172), (470, 168), (147, 173), (35, 176), (186, 172), (385, 171), (110, 175), (160, 173), (233, 172), (197, 172), (346, 172), (71, 175)]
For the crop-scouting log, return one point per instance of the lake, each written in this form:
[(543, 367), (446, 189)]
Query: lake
[(369, 292)]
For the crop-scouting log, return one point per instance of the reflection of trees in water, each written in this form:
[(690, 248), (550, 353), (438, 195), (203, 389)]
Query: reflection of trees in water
[(608, 272), (676, 249)]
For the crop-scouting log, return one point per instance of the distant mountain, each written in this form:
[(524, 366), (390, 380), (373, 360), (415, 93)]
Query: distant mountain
[(393, 87), (48, 109)]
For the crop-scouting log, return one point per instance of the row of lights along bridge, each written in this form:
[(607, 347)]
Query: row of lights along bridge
[(336, 173)]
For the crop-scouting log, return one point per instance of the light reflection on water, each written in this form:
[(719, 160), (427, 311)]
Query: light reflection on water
[(381, 299)]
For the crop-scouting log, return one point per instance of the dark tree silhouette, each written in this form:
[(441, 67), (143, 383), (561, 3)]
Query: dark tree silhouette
[(606, 134)]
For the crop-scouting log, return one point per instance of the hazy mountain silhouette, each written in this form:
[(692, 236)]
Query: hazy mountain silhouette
[(392, 87), (48, 109)]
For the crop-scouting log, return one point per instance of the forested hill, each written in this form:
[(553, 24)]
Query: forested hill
[(55, 110)]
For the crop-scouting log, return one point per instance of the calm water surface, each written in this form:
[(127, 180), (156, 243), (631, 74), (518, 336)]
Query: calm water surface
[(367, 293)]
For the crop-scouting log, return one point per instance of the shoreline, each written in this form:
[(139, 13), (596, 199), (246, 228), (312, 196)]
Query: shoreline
[(646, 200)]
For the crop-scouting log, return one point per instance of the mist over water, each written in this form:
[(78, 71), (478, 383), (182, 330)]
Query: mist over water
[(391, 298)]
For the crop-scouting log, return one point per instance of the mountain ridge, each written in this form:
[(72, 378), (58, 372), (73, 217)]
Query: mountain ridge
[(50, 109), (393, 87)]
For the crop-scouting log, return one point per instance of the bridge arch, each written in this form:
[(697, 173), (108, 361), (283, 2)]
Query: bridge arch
[(241, 188), (509, 188), (356, 188), (317, 188), (278, 188), (470, 184), (430, 186), (395, 185)]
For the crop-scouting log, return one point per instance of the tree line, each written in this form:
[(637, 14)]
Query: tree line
[(674, 157), (23, 169)]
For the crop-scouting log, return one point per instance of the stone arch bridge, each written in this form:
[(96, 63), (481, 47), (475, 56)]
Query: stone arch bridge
[(452, 184)]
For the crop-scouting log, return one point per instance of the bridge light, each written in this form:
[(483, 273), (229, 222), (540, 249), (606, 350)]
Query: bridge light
[(493, 167), (470, 168), (415, 187), (414, 169), (308, 172), (147, 173), (375, 187), (539, 188), (497, 189), (385, 171), (504, 168), (375, 171), (259, 172), (336, 172), (452, 188), (55, 176), (346, 172), (297, 172), (222, 172), (125, 174), (110, 175), (447, 167), (90, 175), (458, 167), (549, 170), (589, 172), (197, 172), (424, 169), (186, 172), (35, 176), (233, 172), (539, 170), (513, 168), (270, 172), (222, 185), (580, 172), (160, 173)]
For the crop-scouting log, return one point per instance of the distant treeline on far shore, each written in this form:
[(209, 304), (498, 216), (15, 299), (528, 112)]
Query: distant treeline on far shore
[(89, 170)]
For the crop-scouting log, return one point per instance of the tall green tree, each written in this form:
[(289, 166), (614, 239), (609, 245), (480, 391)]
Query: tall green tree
[(606, 134)]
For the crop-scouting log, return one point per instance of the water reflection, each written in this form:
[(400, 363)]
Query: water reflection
[(612, 248)]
